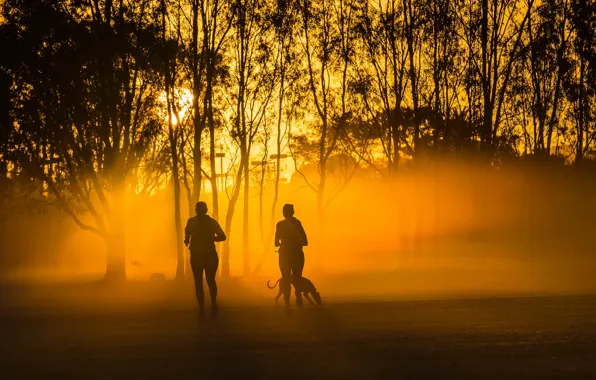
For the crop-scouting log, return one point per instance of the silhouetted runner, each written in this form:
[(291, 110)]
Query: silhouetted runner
[(202, 231), (290, 238)]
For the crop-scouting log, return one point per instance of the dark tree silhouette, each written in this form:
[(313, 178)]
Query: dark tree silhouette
[(83, 107)]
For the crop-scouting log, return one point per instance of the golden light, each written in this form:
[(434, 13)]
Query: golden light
[(181, 101)]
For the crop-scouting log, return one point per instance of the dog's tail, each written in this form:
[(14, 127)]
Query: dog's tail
[(274, 285)]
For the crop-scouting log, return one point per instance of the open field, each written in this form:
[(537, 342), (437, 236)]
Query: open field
[(151, 331)]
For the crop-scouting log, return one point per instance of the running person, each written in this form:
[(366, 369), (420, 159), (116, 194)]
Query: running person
[(290, 238), (202, 232)]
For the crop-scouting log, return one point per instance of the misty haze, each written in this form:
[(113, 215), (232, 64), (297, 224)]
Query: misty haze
[(297, 189)]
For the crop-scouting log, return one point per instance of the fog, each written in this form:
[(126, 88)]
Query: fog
[(449, 229)]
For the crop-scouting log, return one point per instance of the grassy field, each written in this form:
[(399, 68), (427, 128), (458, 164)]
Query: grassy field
[(151, 331)]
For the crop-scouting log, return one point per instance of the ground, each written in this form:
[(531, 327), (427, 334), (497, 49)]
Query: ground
[(89, 332)]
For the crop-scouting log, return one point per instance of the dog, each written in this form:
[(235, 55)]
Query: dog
[(305, 287)]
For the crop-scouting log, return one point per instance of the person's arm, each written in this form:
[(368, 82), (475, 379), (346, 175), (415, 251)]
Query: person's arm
[(187, 232), (277, 237), (303, 235), (219, 234)]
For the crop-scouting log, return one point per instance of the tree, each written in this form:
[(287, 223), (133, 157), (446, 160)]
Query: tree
[(283, 19), (252, 80), (581, 90), (381, 76), (169, 55), (216, 22), (328, 43), (492, 54), (546, 55), (84, 109)]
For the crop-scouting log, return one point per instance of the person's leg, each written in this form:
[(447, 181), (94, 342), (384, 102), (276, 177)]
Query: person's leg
[(210, 273), (296, 283), (286, 276), (297, 267), (197, 271)]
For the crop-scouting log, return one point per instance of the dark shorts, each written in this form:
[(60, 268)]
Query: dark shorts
[(204, 261), (291, 260)]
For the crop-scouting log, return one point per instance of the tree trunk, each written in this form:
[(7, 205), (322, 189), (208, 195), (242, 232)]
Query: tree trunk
[(197, 120), (188, 275), (395, 136), (225, 268), (579, 155), (436, 75), (321, 253), (245, 226), (116, 265), (115, 240), (268, 240), (487, 103), (413, 81), (213, 178), (174, 152), (177, 213), (560, 65), (189, 200)]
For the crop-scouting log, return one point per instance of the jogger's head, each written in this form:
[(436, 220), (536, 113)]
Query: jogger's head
[(201, 208), (288, 211)]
